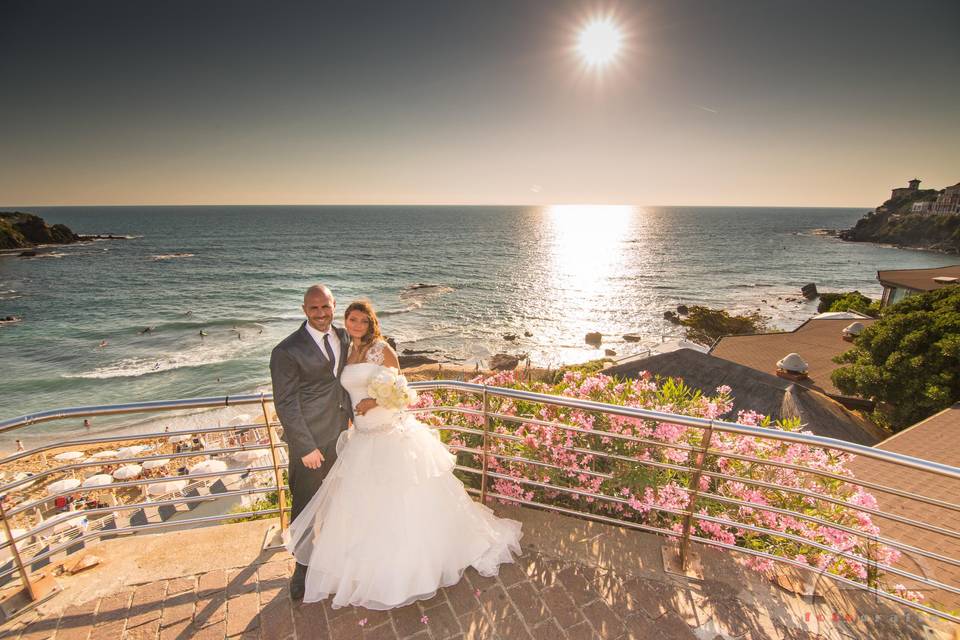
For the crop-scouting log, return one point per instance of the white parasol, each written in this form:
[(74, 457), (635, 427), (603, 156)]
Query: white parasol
[(163, 488), (250, 455), (156, 464), (66, 456), (98, 480), (128, 472), (62, 485), (109, 453), (208, 466)]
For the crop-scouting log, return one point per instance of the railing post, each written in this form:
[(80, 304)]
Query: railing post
[(486, 444), (277, 474), (694, 487), (24, 576)]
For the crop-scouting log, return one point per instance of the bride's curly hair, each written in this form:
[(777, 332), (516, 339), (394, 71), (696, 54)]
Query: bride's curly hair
[(373, 331)]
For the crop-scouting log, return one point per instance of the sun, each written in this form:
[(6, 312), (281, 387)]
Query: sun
[(599, 43)]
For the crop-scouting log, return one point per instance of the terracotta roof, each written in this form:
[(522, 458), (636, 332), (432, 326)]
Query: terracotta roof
[(757, 391), (918, 279), (817, 342), (933, 439)]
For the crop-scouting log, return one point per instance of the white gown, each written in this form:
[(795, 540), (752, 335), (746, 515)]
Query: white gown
[(391, 524)]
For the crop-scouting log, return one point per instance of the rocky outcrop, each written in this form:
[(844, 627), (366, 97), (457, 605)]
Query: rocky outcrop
[(19, 230), (894, 223), (504, 362), (415, 361)]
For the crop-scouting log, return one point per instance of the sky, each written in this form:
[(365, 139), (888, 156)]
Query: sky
[(733, 102)]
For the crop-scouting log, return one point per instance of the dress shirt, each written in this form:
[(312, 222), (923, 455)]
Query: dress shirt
[(334, 343)]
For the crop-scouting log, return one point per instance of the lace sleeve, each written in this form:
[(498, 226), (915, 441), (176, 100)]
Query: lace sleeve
[(375, 352)]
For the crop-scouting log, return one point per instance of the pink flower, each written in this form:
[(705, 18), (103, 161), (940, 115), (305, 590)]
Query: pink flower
[(424, 619), (362, 622)]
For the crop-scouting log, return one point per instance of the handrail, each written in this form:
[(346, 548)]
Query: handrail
[(707, 448)]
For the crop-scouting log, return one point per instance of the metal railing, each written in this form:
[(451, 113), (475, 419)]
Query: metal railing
[(28, 556)]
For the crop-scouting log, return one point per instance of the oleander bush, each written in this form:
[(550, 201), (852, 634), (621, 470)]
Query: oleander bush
[(657, 496)]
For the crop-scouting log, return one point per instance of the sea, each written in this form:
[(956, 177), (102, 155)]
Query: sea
[(191, 300)]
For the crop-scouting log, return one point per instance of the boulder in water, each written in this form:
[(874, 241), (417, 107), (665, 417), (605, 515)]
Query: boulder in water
[(504, 362)]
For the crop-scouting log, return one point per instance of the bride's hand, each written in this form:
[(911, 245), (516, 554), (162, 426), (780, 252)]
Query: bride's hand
[(364, 405)]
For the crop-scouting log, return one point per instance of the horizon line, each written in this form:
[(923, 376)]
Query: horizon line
[(446, 204)]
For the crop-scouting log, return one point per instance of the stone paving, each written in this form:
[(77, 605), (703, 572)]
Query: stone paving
[(553, 592)]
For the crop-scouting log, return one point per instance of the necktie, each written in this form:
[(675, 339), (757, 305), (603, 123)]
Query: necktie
[(329, 350)]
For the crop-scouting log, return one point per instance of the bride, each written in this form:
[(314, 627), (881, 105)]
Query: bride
[(391, 524)]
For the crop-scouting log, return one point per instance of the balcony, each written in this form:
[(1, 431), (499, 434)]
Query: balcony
[(170, 567)]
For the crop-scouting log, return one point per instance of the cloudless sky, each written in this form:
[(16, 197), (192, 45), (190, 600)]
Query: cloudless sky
[(763, 102)]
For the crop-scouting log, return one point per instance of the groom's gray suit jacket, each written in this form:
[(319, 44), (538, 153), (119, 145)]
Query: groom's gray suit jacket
[(312, 406)]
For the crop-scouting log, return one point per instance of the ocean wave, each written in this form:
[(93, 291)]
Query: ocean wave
[(423, 290), (171, 256), (136, 367)]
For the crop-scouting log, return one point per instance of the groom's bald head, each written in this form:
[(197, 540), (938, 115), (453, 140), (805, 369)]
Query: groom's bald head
[(319, 306), (318, 289)]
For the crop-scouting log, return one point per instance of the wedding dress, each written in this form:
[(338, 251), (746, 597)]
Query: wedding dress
[(391, 524)]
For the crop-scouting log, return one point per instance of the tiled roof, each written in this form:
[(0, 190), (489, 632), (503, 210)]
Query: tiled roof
[(918, 279), (817, 342), (757, 391), (933, 439)]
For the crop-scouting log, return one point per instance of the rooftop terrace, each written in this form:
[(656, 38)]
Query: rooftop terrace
[(576, 579), (601, 559)]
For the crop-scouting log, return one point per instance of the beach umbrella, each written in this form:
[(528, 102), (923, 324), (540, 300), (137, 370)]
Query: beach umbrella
[(156, 464), (109, 453), (183, 437), (128, 472), (163, 488), (250, 456), (98, 480), (208, 466), (66, 456), (62, 485), (20, 475)]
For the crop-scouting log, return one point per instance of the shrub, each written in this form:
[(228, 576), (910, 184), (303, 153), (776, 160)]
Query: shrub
[(909, 359), (656, 496)]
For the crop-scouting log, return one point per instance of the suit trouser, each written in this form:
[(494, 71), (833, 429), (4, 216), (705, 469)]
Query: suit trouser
[(304, 482)]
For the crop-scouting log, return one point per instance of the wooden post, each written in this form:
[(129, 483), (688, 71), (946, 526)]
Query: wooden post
[(694, 487), (24, 575), (277, 474), (486, 445)]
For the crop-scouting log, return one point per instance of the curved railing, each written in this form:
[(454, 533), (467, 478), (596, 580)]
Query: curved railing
[(264, 436)]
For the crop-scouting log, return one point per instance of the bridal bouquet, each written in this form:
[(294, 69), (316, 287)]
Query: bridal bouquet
[(390, 390)]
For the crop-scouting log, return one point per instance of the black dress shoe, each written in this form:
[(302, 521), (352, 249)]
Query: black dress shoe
[(298, 582)]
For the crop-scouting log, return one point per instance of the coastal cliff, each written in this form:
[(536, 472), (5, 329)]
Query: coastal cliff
[(894, 223), (21, 230)]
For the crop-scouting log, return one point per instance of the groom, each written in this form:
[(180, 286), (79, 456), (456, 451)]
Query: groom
[(312, 406)]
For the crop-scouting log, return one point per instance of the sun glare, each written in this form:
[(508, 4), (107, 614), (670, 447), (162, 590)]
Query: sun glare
[(600, 42)]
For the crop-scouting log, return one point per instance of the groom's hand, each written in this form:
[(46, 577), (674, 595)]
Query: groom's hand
[(364, 405), (313, 460)]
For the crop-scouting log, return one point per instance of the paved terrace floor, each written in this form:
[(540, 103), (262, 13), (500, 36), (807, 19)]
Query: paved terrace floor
[(577, 579)]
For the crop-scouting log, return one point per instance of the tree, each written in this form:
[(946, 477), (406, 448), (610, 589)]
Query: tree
[(852, 301), (909, 359), (705, 325)]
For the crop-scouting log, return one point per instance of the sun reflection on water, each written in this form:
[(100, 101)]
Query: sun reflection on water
[(588, 248)]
